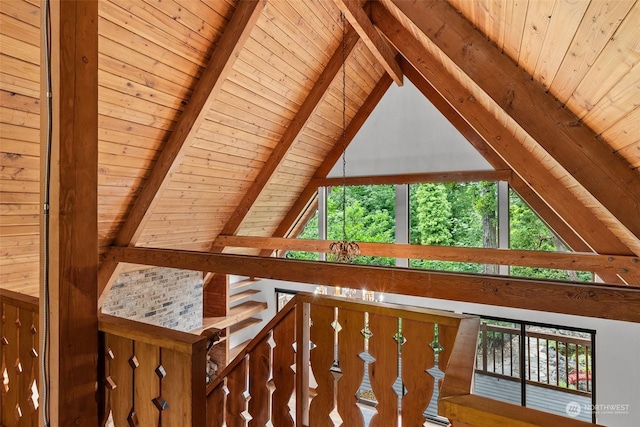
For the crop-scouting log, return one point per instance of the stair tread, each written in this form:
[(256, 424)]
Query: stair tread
[(235, 315), (246, 323), (233, 352), (241, 295), (242, 283)]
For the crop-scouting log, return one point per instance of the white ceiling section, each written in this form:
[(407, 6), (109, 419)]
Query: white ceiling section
[(407, 134)]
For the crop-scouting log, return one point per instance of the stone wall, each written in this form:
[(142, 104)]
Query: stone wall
[(160, 296)]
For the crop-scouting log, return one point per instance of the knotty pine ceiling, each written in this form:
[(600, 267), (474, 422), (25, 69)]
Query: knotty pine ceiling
[(275, 119)]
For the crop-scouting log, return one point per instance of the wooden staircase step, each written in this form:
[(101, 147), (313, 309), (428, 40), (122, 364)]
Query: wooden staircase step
[(235, 315), (246, 323), (242, 295), (233, 352), (242, 283)]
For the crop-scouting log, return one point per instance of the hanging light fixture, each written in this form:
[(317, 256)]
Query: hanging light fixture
[(344, 250)]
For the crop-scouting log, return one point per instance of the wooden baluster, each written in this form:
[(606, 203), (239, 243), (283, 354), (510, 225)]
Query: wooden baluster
[(284, 335), (237, 397), (446, 338), (350, 346), (10, 401), (215, 406), (417, 358), (147, 387), (259, 369), (322, 335), (122, 375), (383, 372), (179, 390), (29, 359)]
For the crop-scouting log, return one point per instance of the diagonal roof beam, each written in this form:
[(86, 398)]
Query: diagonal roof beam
[(521, 161), (290, 135), (548, 215), (379, 47), (231, 43), (307, 195), (574, 146)]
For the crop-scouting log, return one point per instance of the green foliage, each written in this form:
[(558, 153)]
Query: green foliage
[(451, 214), (528, 232)]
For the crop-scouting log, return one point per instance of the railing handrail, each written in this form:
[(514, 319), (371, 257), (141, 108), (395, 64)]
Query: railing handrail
[(537, 334), (183, 342), (19, 300), (441, 317)]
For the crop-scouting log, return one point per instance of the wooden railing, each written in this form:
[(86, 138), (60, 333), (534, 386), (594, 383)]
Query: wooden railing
[(499, 349), (19, 360), (153, 376), (321, 340)]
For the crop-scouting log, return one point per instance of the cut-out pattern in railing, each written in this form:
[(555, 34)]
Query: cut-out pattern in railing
[(346, 343), (153, 376), (19, 360)]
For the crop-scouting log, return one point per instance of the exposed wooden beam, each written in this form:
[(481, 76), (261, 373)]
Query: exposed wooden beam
[(615, 264), (72, 256), (415, 178), (209, 85), (291, 134), (379, 47), (302, 203), (607, 177), (498, 137), (561, 227), (602, 301)]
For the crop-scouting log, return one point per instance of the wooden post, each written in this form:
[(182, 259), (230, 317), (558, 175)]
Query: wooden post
[(72, 257)]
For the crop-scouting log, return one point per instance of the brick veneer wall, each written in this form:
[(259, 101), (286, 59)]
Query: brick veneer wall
[(161, 296)]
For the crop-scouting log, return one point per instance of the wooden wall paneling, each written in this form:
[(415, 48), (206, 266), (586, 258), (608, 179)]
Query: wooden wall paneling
[(616, 106), (623, 135), (73, 245), (562, 27), (288, 138), (206, 91), (605, 176), (515, 15), (611, 65), (599, 24), (503, 141), (309, 192), (595, 300), (17, 28), (116, 44), (536, 23), (128, 15), (17, 48), (196, 17)]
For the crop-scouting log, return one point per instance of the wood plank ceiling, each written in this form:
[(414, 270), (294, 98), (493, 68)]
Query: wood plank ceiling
[(215, 116)]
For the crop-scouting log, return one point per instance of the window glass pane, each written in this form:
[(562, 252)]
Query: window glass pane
[(453, 214), (529, 232), (370, 217), (310, 231)]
